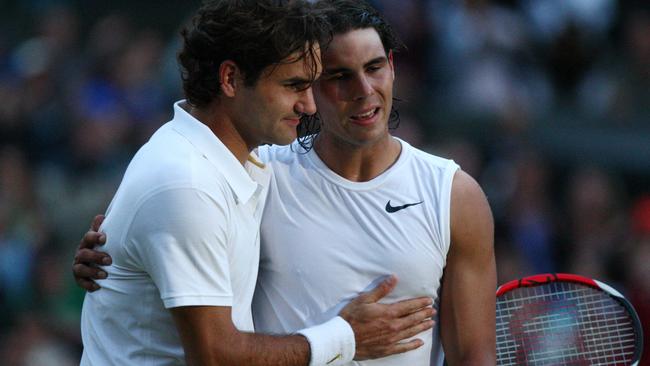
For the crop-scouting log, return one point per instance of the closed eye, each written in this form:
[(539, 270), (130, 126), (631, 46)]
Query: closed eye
[(335, 76), (298, 85)]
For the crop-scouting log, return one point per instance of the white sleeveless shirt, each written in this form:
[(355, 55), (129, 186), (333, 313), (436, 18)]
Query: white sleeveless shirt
[(325, 239)]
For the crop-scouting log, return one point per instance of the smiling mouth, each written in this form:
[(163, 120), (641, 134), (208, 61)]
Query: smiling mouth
[(365, 116)]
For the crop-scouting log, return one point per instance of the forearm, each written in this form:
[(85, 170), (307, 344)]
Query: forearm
[(261, 350), (240, 348), (210, 338)]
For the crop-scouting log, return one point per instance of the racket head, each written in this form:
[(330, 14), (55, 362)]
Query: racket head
[(565, 319)]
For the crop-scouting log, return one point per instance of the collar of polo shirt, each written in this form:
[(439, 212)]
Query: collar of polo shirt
[(202, 138)]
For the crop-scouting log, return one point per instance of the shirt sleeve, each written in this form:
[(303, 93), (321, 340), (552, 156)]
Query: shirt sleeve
[(180, 237)]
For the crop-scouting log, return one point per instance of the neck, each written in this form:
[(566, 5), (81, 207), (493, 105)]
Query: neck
[(219, 122), (357, 163)]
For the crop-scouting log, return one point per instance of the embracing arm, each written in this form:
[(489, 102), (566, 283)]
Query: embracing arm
[(210, 338), (467, 309)]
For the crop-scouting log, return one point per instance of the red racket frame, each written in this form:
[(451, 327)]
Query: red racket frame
[(541, 279)]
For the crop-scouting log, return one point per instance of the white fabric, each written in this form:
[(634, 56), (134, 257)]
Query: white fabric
[(332, 343), (325, 239), (183, 229)]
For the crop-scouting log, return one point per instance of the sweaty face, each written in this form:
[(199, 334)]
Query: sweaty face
[(270, 110), (354, 93)]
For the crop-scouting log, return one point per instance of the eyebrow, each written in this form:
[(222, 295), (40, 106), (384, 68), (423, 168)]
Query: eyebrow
[(374, 61), (297, 80)]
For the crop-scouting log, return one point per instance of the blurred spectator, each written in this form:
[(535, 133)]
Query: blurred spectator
[(637, 268), (596, 224), (31, 343), (530, 214), (19, 236)]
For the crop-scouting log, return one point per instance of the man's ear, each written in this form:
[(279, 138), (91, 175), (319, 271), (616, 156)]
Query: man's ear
[(230, 78)]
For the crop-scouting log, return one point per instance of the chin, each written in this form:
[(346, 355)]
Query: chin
[(371, 138), (284, 139)]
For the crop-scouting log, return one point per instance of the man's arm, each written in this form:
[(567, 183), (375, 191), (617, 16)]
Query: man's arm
[(467, 309), (210, 338)]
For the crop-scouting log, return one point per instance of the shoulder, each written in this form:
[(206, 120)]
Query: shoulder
[(424, 158), (168, 161), (465, 189), (169, 177), (184, 212), (280, 154), (471, 216), (166, 156)]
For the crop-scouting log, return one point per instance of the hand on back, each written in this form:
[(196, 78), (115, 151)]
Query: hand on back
[(85, 266)]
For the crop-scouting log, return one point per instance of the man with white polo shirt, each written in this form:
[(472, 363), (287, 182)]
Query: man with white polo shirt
[(183, 225)]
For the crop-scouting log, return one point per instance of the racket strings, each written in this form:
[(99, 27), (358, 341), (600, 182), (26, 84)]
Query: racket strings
[(562, 324)]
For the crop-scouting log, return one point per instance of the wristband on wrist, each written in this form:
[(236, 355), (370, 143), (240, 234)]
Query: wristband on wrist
[(331, 343)]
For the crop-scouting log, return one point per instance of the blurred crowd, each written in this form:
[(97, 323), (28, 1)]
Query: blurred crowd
[(545, 102)]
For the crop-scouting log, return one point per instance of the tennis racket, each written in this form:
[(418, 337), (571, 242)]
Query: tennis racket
[(564, 319)]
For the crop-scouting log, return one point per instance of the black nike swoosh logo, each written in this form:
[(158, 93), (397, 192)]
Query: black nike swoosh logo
[(391, 209)]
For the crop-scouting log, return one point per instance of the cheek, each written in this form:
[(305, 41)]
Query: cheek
[(327, 100), (328, 92), (384, 82), (270, 98), (270, 93), (327, 108)]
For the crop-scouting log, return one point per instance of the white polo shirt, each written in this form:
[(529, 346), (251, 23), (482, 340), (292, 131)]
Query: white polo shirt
[(183, 229)]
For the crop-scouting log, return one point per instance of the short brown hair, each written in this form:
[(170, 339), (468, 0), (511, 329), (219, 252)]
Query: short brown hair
[(252, 33)]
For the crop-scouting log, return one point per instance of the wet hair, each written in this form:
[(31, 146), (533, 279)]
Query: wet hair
[(254, 34), (348, 15), (345, 16)]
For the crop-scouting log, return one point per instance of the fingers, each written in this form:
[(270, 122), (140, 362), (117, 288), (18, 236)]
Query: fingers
[(387, 350), (86, 259), (383, 289), (97, 222), (413, 319), (92, 239), (84, 275), (406, 327), (414, 330), (87, 285), (85, 272), (402, 347), (418, 316), (93, 257), (398, 333), (405, 307)]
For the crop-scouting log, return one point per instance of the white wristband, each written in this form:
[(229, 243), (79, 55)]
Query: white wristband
[(332, 343)]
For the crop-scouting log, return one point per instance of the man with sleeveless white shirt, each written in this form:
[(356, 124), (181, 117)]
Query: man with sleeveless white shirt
[(363, 204)]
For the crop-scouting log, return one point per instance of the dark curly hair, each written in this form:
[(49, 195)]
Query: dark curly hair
[(254, 34), (344, 16)]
